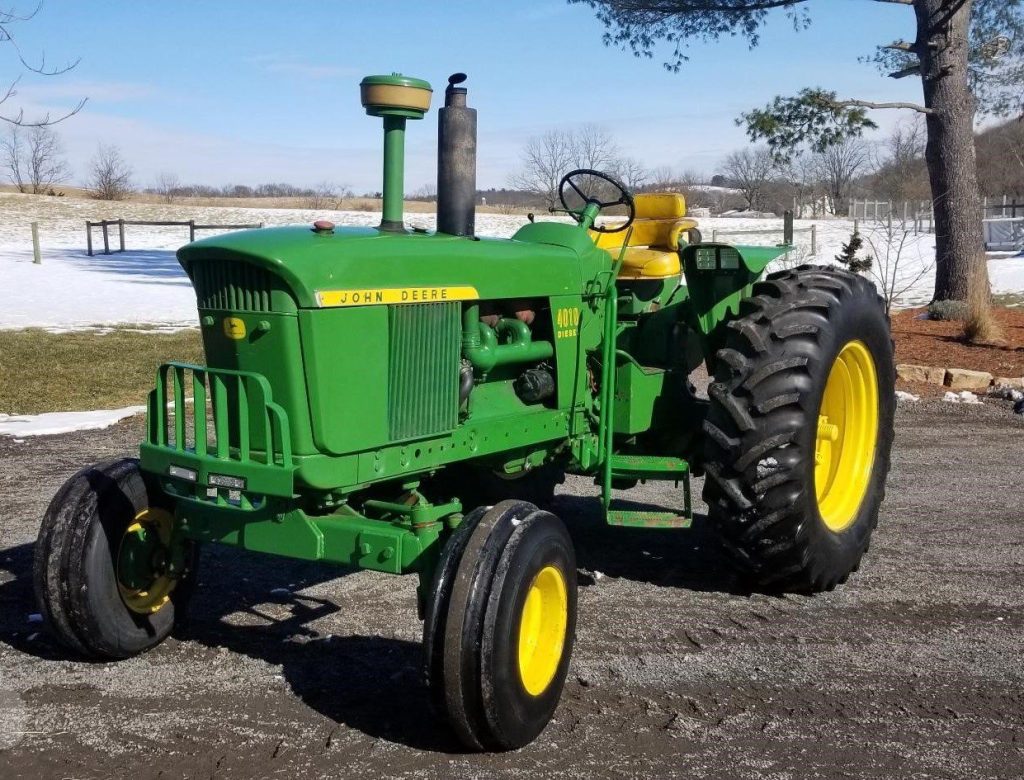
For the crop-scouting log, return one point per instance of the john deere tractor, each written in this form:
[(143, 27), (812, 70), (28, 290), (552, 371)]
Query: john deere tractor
[(406, 401)]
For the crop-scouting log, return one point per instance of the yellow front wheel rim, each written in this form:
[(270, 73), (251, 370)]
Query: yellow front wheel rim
[(542, 628), (846, 437), (142, 560)]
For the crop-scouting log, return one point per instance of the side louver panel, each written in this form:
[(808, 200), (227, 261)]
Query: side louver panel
[(423, 391), (232, 286)]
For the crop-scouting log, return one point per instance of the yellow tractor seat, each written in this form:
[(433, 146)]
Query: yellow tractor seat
[(653, 251)]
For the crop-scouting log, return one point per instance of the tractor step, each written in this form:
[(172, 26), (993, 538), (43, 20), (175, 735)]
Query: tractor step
[(649, 467), (650, 519)]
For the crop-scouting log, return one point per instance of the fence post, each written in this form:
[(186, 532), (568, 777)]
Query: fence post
[(106, 238), (814, 240), (856, 226), (36, 256), (1003, 213), (88, 237), (120, 230), (191, 230), (787, 228), (714, 236)]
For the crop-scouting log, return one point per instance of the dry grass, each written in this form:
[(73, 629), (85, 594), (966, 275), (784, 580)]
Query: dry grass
[(297, 202), (980, 327), (58, 372)]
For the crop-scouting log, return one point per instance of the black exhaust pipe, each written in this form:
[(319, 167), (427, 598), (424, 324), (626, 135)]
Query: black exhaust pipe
[(456, 162)]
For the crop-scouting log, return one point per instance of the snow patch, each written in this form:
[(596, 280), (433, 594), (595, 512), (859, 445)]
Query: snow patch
[(1007, 393), (50, 423), (964, 397), (766, 466), (902, 395)]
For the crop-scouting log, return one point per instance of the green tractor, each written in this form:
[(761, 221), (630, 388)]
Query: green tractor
[(406, 401)]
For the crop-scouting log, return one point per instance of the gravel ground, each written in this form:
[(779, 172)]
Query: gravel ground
[(912, 670)]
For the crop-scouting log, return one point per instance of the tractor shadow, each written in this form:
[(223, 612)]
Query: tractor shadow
[(372, 684), (689, 559)]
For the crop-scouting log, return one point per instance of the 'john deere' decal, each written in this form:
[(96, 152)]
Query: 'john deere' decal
[(391, 295)]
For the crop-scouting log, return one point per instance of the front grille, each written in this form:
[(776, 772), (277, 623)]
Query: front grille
[(423, 386), (232, 286)]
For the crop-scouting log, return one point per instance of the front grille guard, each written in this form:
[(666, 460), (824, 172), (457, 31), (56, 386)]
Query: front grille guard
[(233, 450)]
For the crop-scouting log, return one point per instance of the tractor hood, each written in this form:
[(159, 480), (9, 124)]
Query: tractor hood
[(543, 259)]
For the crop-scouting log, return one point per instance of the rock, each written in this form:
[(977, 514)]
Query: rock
[(1019, 408), (926, 374), (965, 379), (1014, 383)]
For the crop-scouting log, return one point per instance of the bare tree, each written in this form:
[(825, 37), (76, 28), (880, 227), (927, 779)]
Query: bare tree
[(662, 178), (838, 167), (33, 158), (323, 195), (632, 173), (750, 172), (548, 157), (10, 18), (800, 173), (901, 174), (167, 186), (110, 177), (888, 266), (427, 192)]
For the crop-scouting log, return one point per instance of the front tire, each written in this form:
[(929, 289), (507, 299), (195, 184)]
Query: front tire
[(501, 624), (102, 563), (800, 428)]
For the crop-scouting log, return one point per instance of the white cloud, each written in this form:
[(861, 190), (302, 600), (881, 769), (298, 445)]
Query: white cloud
[(272, 63)]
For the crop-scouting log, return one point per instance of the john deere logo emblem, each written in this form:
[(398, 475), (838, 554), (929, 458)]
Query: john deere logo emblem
[(234, 328)]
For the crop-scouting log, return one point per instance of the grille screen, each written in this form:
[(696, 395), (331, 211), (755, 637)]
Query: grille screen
[(230, 285), (423, 391)]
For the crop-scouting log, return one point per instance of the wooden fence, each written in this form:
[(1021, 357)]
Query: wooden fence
[(106, 224), (787, 230), (922, 213)]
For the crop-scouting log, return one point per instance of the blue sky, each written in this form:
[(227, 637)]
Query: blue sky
[(246, 92)]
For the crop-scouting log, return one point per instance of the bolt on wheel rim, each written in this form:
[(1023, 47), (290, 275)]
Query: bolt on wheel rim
[(143, 579), (542, 626), (847, 432)]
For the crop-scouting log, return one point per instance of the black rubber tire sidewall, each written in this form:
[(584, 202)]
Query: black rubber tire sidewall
[(843, 550), (516, 717), (82, 532)]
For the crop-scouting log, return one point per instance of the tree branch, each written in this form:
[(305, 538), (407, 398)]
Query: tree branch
[(868, 104)]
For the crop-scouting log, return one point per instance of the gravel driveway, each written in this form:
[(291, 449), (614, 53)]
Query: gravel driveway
[(292, 670)]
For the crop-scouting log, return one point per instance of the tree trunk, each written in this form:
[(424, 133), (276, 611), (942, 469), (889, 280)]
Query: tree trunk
[(942, 45)]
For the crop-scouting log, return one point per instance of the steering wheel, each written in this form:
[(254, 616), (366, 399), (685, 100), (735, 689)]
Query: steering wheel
[(625, 198)]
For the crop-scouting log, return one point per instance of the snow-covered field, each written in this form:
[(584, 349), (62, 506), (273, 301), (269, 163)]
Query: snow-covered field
[(145, 285)]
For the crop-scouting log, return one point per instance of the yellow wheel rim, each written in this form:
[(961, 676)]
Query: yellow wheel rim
[(542, 630), (142, 559), (847, 432)]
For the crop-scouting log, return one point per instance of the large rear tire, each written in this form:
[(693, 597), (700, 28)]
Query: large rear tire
[(800, 428), (101, 562)]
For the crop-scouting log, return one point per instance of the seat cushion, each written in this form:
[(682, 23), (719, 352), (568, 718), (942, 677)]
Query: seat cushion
[(649, 264)]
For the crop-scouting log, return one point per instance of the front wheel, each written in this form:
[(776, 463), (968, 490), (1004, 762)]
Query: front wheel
[(800, 428), (500, 625), (109, 578)]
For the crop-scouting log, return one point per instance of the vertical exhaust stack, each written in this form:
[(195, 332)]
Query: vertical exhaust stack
[(456, 162)]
